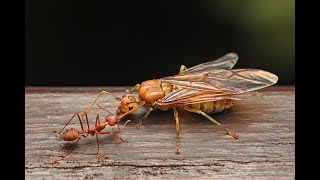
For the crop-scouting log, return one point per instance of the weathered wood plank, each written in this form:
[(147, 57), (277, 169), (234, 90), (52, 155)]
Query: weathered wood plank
[(265, 149)]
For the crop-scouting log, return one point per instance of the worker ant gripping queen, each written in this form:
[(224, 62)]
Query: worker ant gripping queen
[(73, 134)]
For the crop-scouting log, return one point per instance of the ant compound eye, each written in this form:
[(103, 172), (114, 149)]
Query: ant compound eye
[(130, 107)]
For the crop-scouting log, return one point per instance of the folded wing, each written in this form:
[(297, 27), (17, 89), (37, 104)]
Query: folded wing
[(225, 62), (215, 85)]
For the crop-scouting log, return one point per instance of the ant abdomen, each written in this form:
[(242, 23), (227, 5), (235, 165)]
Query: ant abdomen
[(70, 134)]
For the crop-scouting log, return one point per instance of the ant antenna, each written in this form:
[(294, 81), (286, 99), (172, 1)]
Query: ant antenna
[(105, 109), (102, 92)]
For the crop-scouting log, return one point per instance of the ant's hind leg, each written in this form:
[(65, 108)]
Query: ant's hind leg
[(176, 116), (211, 119), (73, 147)]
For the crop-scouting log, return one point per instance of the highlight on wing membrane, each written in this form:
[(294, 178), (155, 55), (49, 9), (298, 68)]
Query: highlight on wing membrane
[(228, 81), (189, 96), (217, 84), (225, 62)]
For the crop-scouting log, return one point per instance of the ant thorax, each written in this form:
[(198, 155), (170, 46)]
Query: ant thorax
[(152, 90)]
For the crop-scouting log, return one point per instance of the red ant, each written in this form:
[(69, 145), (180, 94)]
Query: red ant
[(73, 134)]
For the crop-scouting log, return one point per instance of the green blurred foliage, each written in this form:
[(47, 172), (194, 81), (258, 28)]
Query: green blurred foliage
[(268, 32)]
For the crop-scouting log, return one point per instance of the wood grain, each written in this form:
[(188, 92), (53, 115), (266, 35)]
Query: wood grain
[(265, 150)]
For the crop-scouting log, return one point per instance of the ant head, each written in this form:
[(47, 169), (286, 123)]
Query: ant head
[(112, 120), (128, 105)]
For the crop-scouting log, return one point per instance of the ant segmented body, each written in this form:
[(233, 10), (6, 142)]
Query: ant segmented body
[(210, 87), (73, 134)]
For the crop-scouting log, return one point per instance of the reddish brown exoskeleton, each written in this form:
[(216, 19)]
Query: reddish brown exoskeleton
[(210, 87), (73, 134)]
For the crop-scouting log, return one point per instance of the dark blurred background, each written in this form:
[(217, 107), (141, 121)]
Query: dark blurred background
[(88, 43)]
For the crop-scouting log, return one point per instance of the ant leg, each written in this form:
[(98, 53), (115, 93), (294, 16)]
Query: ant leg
[(118, 127), (134, 88), (70, 121), (102, 92), (86, 115), (144, 117), (211, 119), (128, 121), (176, 116), (97, 120), (110, 113), (73, 147), (98, 156), (182, 68), (114, 134)]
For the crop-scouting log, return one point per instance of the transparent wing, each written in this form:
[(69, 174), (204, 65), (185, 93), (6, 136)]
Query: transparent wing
[(190, 96), (224, 81), (225, 62)]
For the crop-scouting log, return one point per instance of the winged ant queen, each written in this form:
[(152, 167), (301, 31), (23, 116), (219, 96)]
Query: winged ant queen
[(206, 88)]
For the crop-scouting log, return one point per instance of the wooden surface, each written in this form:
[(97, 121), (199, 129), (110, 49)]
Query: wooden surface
[(265, 149)]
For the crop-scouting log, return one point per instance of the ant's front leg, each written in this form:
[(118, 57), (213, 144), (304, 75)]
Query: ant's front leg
[(114, 134), (182, 68), (134, 88), (144, 117)]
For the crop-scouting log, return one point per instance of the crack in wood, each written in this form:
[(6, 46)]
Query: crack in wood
[(114, 164)]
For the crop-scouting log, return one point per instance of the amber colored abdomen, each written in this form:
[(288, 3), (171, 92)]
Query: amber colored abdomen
[(70, 134), (213, 106)]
